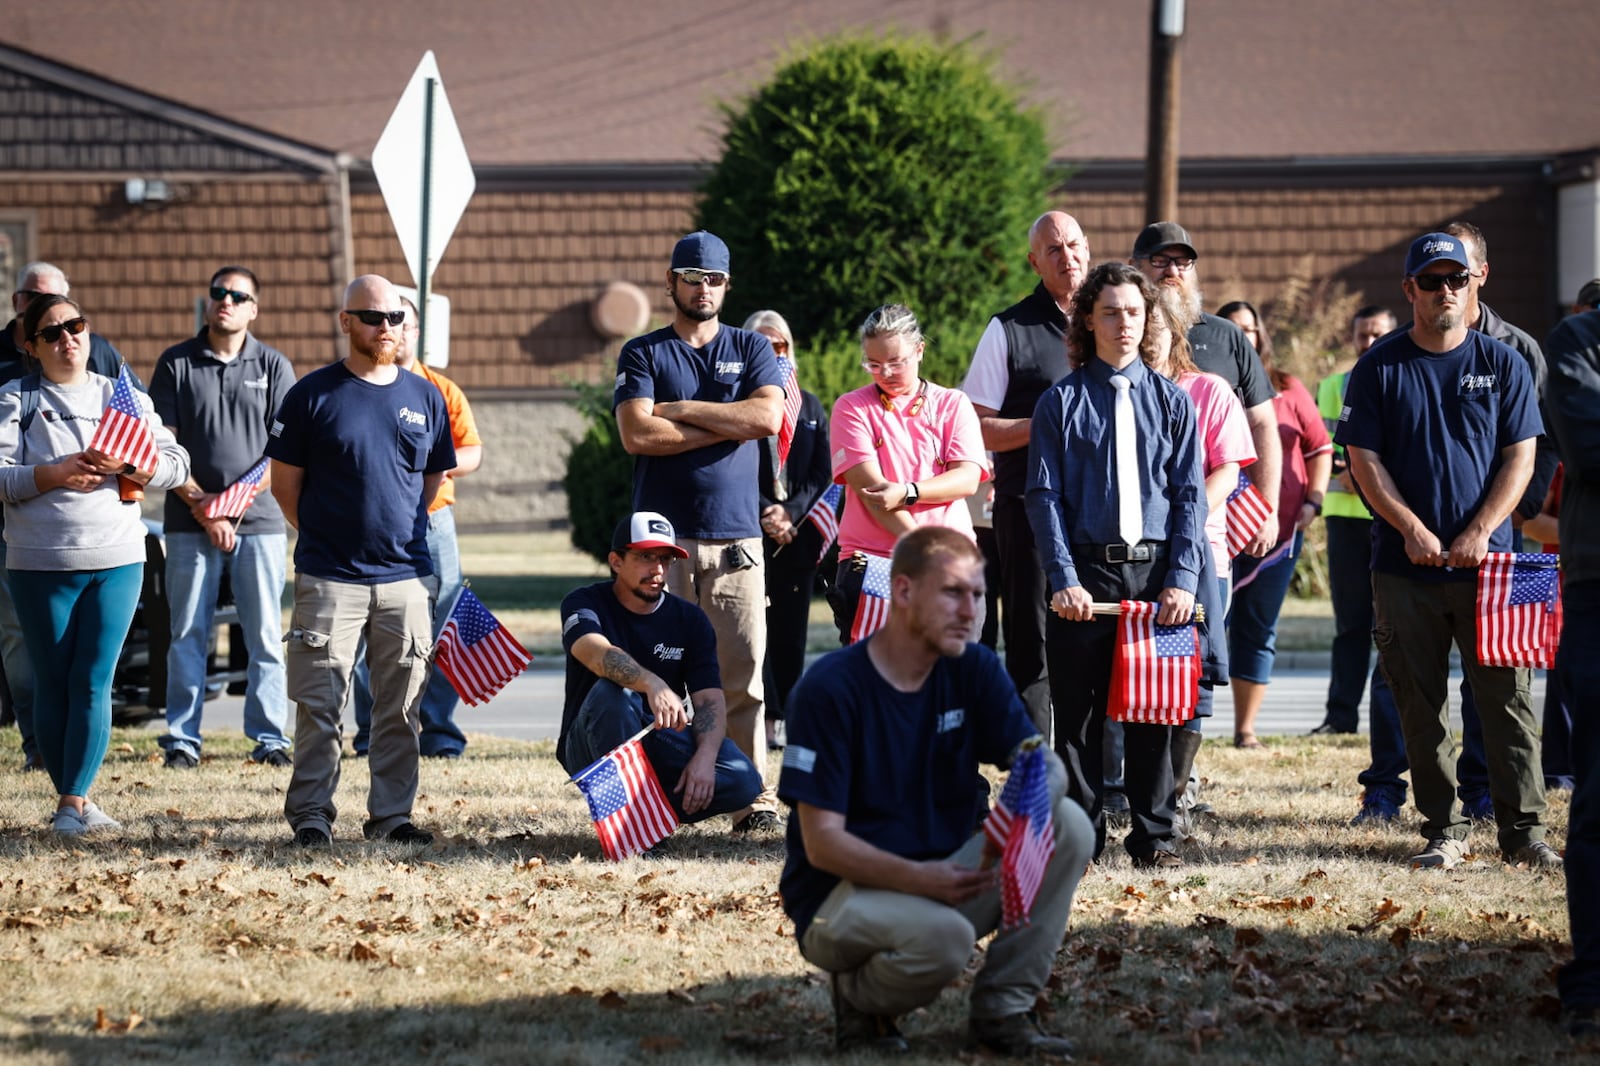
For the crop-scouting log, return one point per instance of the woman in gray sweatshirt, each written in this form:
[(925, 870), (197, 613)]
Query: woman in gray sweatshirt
[(75, 547)]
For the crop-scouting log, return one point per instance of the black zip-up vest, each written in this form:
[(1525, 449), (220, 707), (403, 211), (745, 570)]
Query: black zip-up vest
[(1036, 358)]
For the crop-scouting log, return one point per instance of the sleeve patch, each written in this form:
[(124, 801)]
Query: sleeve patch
[(582, 614), (797, 758)]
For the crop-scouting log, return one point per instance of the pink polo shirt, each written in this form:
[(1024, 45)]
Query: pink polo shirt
[(907, 447), (1224, 438)]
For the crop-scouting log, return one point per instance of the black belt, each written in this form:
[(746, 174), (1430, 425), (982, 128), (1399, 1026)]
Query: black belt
[(1142, 552)]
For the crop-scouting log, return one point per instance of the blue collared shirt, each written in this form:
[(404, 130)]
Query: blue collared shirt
[(1072, 478)]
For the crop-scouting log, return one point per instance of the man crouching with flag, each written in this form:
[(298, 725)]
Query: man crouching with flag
[(633, 649), (885, 878)]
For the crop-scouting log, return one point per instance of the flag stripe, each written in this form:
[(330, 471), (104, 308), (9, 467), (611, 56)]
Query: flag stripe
[(630, 811), (791, 408), (1020, 828), (1155, 673), (477, 654), (872, 606), (1247, 513), (824, 514), (236, 499), (123, 432), (1519, 610)]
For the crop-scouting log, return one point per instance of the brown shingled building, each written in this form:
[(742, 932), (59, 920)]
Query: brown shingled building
[(144, 144)]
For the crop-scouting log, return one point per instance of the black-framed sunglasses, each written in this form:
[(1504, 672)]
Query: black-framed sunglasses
[(218, 293), (51, 334), (691, 276), (378, 318), (1435, 282)]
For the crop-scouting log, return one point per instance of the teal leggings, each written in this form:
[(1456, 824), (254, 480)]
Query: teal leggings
[(74, 622)]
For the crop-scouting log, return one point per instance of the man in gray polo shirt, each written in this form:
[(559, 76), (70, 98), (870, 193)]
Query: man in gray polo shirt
[(218, 393)]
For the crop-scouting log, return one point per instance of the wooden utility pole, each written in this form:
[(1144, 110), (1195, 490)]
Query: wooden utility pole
[(1161, 151)]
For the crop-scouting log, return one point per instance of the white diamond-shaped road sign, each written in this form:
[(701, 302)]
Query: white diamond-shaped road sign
[(411, 149)]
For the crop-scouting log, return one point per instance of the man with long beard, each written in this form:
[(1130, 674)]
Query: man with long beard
[(691, 401), (358, 451)]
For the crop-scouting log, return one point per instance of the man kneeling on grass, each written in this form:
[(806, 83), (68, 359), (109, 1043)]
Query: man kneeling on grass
[(633, 649), (883, 879)]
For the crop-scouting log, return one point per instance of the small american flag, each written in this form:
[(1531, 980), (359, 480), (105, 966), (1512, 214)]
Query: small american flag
[(824, 514), (235, 500), (123, 433), (872, 606), (630, 811), (1155, 674), (1519, 609), (476, 652), (1020, 829), (791, 407), (1247, 513)]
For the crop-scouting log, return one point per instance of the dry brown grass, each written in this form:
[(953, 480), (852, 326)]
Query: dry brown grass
[(1289, 938)]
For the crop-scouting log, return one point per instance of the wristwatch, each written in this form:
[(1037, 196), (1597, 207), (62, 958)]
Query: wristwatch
[(128, 469), (912, 494)]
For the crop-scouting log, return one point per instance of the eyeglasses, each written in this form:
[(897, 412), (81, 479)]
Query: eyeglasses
[(1435, 282), (781, 347), (51, 334), (218, 293), (886, 368), (1161, 262), (661, 559), (690, 276), (378, 318)]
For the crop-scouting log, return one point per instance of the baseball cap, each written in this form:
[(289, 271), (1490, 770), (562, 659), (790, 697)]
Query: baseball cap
[(1435, 248), (646, 529), (701, 250), (1159, 235)]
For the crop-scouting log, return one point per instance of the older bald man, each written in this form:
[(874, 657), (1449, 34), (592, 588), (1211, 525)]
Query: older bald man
[(358, 450)]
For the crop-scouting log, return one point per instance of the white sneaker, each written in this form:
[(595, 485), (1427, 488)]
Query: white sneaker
[(68, 823), (1441, 853), (94, 818)]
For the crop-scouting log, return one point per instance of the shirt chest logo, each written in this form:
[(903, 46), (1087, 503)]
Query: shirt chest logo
[(1477, 382), (413, 418), (953, 719), (256, 383), (729, 368), (666, 654)]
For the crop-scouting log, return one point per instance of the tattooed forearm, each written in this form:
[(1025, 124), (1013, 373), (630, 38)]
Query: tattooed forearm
[(707, 716), (618, 666)]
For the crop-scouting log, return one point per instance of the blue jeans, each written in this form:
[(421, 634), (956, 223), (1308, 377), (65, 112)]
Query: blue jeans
[(1579, 667), (76, 622), (19, 668), (1253, 618), (256, 570), (609, 715), (440, 735)]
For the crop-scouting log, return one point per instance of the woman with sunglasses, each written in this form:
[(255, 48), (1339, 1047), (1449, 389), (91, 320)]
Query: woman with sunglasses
[(910, 453), (75, 547)]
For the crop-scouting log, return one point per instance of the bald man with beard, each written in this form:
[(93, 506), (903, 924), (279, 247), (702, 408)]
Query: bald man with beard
[(358, 451)]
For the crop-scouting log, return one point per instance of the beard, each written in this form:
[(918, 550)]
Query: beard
[(693, 314), (382, 352), (1448, 319)]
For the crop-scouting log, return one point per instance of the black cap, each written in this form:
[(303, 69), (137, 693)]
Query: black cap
[(1158, 235)]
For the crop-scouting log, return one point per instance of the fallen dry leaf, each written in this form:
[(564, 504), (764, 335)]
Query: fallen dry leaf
[(103, 1024)]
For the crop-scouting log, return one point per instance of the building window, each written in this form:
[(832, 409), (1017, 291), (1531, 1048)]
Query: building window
[(16, 244)]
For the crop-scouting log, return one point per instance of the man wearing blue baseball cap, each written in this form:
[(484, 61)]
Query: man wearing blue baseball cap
[(1440, 422), (692, 399)]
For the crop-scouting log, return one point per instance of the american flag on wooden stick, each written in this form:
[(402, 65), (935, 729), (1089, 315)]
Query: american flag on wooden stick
[(1155, 672), (630, 811), (235, 500), (1519, 609), (1020, 830), (791, 407), (872, 606), (476, 652), (123, 433), (824, 514), (1247, 513)]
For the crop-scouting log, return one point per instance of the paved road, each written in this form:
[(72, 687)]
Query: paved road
[(530, 707)]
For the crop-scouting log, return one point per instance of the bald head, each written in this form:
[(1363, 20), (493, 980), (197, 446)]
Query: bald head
[(1059, 253), (371, 291), (378, 341)]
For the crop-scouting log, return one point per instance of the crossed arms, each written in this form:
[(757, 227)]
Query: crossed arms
[(673, 427)]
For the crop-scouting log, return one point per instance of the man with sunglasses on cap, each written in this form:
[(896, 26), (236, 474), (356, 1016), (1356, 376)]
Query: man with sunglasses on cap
[(633, 651), (1439, 422), (358, 451), (218, 393), (692, 400)]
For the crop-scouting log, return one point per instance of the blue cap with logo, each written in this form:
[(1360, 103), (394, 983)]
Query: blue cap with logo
[(701, 250), (1433, 248)]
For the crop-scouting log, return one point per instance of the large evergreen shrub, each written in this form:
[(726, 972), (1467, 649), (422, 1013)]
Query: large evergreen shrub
[(599, 479)]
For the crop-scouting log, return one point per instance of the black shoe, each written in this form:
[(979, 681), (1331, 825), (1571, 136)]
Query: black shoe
[(1328, 729), (406, 833), (32, 763), (309, 836), (856, 1030), (275, 757), (759, 822), (178, 759), (1158, 860), (447, 754), (1018, 1036)]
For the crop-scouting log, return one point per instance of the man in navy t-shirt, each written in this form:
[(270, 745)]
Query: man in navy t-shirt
[(1440, 422), (691, 401), (883, 878), (633, 650), (358, 451)]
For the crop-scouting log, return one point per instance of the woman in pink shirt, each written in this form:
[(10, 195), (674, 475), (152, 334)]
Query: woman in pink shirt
[(909, 452)]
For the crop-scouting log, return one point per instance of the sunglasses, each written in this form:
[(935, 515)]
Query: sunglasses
[(690, 276), (1435, 282), (1161, 262), (218, 293), (51, 334), (378, 318)]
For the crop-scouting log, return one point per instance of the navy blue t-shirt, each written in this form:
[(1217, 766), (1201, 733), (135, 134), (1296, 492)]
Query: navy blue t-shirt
[(675, 642), (364, 449), (708, 493), (902, 767), (1439, 423)]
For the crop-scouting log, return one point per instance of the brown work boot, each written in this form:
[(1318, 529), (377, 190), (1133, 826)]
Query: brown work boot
[(856, 1030), (1018, 1036)]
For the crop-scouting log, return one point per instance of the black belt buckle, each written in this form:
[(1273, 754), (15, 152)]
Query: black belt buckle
[(1127, 553)]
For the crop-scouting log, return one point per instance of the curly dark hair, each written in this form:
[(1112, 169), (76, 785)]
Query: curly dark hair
[(1080, 338)]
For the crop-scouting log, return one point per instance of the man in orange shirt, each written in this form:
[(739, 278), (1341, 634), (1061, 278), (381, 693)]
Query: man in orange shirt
[(441, 738)]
